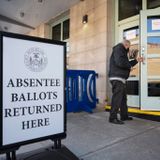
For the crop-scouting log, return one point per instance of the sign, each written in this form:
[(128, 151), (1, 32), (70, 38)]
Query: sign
[(131, 34), (33, 82), (156, 24)]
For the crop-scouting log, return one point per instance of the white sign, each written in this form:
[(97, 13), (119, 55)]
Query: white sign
[(131, 34), (156, 24), (33, 90)]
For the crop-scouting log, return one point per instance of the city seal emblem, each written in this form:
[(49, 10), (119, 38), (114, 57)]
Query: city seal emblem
[(35, 59)]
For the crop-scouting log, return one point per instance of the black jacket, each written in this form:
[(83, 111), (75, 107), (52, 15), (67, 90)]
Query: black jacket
[(120, 65)]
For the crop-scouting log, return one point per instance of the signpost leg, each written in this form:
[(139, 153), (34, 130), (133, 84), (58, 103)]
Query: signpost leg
[(57, 144), (13, 155), (8, 156)]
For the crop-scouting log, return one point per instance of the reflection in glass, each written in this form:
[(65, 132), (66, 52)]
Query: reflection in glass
[(153, 4), (128, 8), (154, 88), (132, 87), (56, 32), (132, 34), (153, 24), (153, 66), (153, 77), (66, 29), (153, 45)]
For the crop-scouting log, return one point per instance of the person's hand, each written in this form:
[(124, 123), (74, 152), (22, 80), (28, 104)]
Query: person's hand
[(140, 59)]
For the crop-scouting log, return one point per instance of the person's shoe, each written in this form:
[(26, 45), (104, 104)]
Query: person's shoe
[(116, 121), (126, 118)]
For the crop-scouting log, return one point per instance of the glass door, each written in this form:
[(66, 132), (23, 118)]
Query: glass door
[(150, 68), (130, 31)]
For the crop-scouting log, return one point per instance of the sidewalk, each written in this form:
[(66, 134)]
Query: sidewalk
[(91, 137)]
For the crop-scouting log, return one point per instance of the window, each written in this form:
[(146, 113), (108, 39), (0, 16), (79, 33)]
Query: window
[(60, 31), (66, 29), (129, 8), (153, 4), (132, 34), (153, 23), (56, 32)]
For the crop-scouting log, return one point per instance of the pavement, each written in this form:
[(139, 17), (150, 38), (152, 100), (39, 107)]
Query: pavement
[(92, 137)]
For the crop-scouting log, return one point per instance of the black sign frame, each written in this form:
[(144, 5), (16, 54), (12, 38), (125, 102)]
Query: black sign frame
[(10, 147)]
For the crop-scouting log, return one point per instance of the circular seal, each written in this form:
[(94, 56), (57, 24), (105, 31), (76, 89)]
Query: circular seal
[(35, 59)]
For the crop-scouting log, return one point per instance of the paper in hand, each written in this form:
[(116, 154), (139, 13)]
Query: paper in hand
[(133, 53)]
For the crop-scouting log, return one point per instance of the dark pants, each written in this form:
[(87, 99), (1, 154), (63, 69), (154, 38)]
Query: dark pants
[(119, 100)]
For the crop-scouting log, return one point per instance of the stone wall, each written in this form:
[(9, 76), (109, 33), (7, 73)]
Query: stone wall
[(88, 42), (91, 43), (42, 31)]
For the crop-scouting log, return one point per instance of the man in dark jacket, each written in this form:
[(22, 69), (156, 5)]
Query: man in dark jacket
[(119, 71)]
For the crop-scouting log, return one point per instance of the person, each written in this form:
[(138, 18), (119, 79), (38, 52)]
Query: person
[(119, 71)]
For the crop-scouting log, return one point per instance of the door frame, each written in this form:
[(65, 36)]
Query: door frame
[(133, 100), (146, 102)]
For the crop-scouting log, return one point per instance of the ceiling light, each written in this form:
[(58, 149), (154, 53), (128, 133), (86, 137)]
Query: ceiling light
[(5, 28), (22, 14)]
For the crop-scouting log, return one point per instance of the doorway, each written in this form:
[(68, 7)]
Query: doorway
[(143, 85), (131, 32), (150, 69)]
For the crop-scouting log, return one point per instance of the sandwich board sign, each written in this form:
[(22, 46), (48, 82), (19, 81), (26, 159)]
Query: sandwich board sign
[(32, 87)]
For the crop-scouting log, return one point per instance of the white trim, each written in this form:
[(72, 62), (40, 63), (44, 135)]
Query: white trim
[(128, 20), (144, 4), (147, 103), (153, 77), (150, 56), (154, 34), (60, 21), (133, 101)]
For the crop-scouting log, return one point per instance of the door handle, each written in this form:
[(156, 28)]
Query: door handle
[(143, 56)]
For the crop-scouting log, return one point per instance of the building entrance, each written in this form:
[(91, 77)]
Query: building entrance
[(150, 69), (143, 85)]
